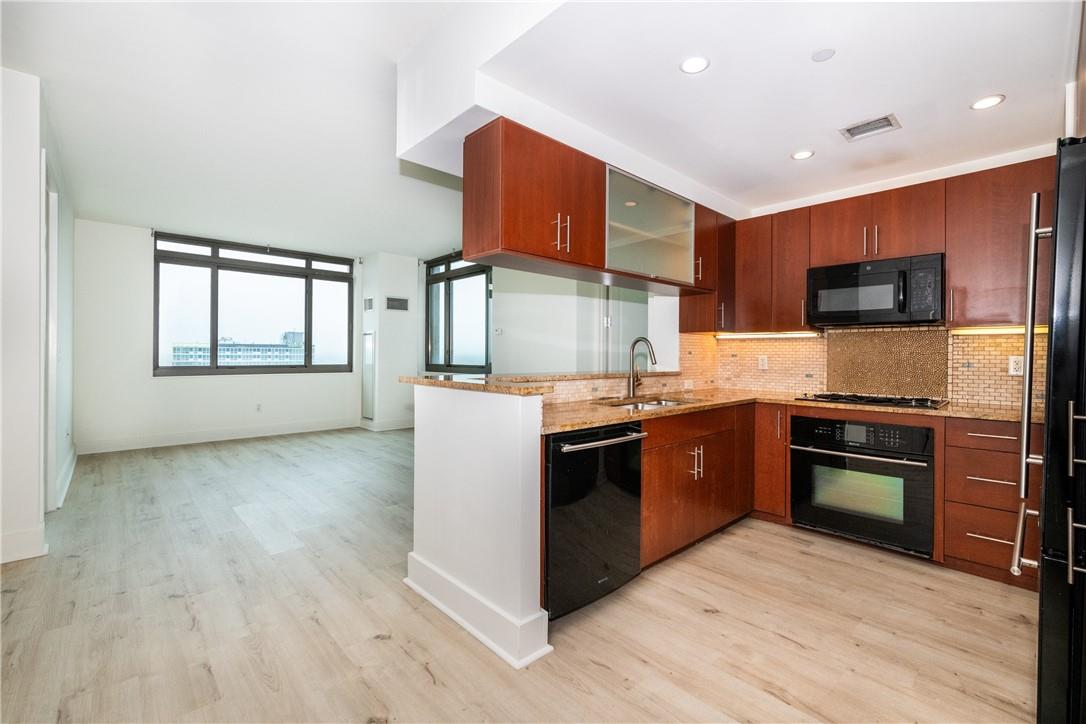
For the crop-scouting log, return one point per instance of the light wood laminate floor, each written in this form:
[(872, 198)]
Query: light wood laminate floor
[(260, 580)]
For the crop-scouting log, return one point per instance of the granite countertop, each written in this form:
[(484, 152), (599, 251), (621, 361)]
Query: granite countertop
[(482, 383), (566, 416)]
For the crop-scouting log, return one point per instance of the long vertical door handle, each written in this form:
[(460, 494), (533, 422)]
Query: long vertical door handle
[(1027, 352), (722, 315), (951, 315), (778, 424), (558, 232), (876, 239), (803, 311), (569, 225), (865, 240), (699, 268), (1072, 526), (695, 471), (701, 458)]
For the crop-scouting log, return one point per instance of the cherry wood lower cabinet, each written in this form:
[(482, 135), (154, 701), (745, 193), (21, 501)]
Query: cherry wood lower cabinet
[(771, 461), (689, 486)]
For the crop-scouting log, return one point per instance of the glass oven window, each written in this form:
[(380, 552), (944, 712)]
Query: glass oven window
[(852, 299), (871, 495)]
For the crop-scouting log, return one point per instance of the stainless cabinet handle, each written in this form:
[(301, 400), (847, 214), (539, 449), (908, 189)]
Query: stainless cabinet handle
[(722, 315), (994, 437), (1072, 526), (1017, 561), (865, 241), (694, 452), (1035, 234), (778, 424), (567, 448), (558, 232), (701, 461), (803, 311), (990, 539), (1072, 418), (857, 456), (569, 226), (991, 480), (699, 269), (876, 239), (951, 315)]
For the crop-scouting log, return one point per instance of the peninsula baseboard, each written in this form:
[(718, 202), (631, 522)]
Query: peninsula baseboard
[(199, 436), (518, 642), (402, 423)]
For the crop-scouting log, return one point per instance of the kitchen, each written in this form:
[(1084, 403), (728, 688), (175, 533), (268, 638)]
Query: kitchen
[(873, 367)]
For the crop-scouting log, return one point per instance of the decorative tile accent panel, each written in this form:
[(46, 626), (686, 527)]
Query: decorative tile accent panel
[(978, 368), (905, 361), (793, 365)]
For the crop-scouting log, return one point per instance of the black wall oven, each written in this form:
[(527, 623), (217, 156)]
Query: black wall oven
[(872, 482), (908, 290)]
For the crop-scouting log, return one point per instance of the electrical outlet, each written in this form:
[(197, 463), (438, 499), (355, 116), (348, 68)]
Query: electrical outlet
[(259, 407), (763, 362), (1014, 365)]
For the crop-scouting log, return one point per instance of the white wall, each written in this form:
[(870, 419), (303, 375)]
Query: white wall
[(397, 333), (61, 455), (21, 342), (119, 405)]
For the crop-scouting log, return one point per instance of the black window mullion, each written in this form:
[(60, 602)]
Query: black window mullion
[(307, 333), (448, 323)]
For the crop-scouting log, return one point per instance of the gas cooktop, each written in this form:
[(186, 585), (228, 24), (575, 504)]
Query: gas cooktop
[(927, 403)]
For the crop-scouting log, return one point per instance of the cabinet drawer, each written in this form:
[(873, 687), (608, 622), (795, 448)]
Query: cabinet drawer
[(986, 536), (988, 478), (686, 426), (990, 435)]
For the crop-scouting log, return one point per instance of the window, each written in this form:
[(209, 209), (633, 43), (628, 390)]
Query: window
[(457, 315), (225, 308)]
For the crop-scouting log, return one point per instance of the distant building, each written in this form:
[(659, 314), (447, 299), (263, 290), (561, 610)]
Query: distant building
[(291, 351)]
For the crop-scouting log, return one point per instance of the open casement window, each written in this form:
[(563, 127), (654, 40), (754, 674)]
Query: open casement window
[(457, 315), (226, 308)]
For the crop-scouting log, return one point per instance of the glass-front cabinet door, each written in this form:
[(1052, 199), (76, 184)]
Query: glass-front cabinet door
[(650, 231)]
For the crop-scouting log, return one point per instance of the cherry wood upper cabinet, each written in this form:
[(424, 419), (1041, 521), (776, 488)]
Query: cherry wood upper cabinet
[(987, 229), (753, 305), (840, 231), (791, 257), (899, 222), (526, 193), (706, 227), (908, 221)]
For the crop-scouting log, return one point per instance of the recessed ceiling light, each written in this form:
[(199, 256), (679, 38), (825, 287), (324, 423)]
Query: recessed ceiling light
[(802, 155), (694, 65), (631, 203), (821, 56), (988, 102)]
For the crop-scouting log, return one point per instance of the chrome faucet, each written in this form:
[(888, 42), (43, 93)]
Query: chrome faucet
[(635, 379)]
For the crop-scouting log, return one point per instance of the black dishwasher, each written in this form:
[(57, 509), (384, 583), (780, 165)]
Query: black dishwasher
[(593, 514)]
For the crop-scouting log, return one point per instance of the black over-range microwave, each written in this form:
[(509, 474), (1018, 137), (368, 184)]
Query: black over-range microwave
[(908, 290)]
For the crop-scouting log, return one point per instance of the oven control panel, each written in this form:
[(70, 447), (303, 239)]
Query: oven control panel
[(871, 436)]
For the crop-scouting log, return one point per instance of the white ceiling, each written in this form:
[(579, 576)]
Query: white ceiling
[(272, 123), (614, 67)]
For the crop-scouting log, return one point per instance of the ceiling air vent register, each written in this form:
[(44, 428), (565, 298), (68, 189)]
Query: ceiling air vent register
[(872, 127)]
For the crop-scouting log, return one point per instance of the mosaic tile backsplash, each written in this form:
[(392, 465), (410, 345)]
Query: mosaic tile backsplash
[(973, 367)]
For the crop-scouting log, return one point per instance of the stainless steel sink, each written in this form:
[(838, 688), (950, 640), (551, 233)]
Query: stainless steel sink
[(649, 403)]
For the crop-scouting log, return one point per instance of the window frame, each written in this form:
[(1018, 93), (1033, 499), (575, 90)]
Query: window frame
[(450, 275), (215, 262)]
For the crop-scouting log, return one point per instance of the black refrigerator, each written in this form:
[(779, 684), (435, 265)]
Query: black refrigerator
[(1062, 640)]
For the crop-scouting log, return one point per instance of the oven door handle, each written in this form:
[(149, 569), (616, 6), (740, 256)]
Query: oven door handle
[(902, 281), (857, 456)]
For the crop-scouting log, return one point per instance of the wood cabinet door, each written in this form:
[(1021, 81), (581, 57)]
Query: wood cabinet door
[(583, 189), (770, 459), (754, 274), (908, 221), (791, 257), (706, 225), (531, 191), (987, 225), (838, 231), (720, 496), (668, 500)]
